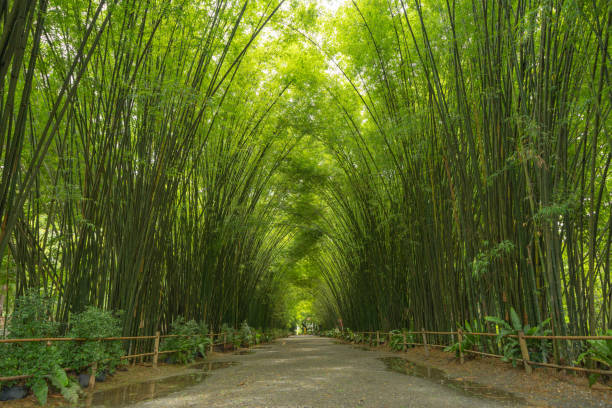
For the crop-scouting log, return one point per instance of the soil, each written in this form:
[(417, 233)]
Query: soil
[(309, 371), (545, 387)]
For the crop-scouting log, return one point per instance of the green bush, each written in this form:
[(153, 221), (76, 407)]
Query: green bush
[(335, 333), (469, 342), (193, 340), (94, 323), (246, 335), (599, 351), (259, 336), (227, 333), (32, 318), (397, 339), (348, 335), (538, 349)]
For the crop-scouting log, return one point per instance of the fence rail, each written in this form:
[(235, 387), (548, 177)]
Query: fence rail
[(527, 363)]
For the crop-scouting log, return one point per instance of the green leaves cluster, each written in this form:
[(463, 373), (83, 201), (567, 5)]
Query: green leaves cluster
[(469, 341), (94, 323), (32, 319), (599, 351), (192, 338), (539, 350), (397, 339), (482, 262)]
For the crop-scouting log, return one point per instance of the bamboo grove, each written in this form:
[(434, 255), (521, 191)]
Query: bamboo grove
[(488, 184), (391, 163), (131, 181)]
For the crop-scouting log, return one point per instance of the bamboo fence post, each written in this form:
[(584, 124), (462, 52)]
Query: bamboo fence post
[(524, 352), (92, 377), (460, 338), (404, 342), (377, 338), (224, 340), (212, 342), (389, 344), (425, 342), (156, 349)]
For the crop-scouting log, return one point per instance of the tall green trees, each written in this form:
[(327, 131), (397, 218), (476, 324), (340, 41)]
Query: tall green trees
[(151, 197), (199, 158), (479, 177)]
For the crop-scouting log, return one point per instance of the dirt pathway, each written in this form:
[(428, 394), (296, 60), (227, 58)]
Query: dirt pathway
[(310, 371)]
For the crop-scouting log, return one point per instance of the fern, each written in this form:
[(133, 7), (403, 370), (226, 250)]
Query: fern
[(40, 390), (538, 349), (599, 351)]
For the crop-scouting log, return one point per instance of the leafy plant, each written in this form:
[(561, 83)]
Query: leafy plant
[(258, 337), (94, 323), (228, 333), (192, 339), (32, 319), (245, 335), (336, 333), (70, 390), (538, 349), (469, 341), (397, 339), (599, 351)]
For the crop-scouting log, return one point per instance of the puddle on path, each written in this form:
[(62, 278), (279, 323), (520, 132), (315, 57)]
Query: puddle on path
[(212, 365), (132, 393), (470, 388)]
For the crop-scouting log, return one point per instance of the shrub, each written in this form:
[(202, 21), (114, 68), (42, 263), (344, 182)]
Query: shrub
[(227, 333), (259, 336), (193, 339), (94, 323), (336, 333), (599, 351), (538, 349), (469, 342), (245, 335), (397, 339), (32, 319)]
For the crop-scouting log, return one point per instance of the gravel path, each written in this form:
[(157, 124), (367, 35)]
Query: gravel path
[(308, 371)]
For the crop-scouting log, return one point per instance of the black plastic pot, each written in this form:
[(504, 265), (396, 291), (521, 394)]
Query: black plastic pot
[(13, 393), (101, 376), (84, 380)]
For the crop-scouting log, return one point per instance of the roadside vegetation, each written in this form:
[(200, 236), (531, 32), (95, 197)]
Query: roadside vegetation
[(187, 166)]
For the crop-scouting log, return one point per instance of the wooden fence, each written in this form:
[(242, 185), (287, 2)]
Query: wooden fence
[(522, 339), (221, 341)]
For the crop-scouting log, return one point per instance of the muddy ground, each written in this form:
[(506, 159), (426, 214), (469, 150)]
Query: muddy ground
[(545, 387), (310, 371)]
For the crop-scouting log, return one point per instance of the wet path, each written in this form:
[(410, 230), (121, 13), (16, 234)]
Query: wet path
[(310, 371)]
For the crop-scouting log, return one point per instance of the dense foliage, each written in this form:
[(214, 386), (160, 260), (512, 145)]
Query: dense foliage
[(192, 338), (42, 361), (93, 323), (142, 179), (372, 164), (475, 166)]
